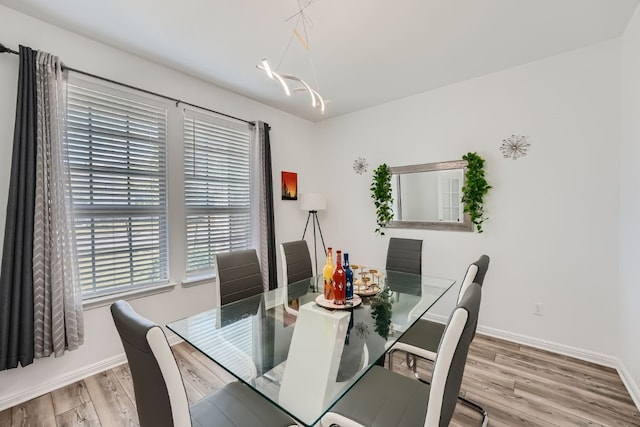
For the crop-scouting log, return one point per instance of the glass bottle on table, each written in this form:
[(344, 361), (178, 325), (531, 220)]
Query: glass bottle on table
[(327, 274), (348, 277), (339, 281)]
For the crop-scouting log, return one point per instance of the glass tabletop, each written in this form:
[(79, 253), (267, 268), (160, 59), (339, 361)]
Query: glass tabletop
[(299, 355)]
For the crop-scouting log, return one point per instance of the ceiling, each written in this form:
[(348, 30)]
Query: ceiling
[(365, 52)]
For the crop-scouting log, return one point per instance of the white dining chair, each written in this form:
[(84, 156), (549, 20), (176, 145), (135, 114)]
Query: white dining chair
[(384, 398), (161, 399), (422, 339)]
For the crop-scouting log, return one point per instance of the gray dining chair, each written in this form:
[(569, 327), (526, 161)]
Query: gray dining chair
[(385, 398), (161, 399), (422, 339), (404, 255), (296, 266), (296, 261), (239, 275)]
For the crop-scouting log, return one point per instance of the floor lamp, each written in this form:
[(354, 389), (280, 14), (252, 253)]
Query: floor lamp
[(312, 203)]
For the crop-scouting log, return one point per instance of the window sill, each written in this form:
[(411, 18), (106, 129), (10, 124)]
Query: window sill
[(104, 300), (198, 280)]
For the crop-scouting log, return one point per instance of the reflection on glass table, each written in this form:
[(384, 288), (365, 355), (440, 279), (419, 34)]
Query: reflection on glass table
[(304, 363)]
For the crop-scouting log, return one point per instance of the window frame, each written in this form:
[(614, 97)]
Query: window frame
[(162, 208), (232, 125)]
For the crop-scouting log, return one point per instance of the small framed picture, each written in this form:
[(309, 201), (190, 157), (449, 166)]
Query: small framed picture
[(289, 186)]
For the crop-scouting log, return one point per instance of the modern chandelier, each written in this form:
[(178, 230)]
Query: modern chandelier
[(316, 99)]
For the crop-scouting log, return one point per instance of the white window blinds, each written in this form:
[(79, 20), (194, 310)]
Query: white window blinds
[(217, 189), (117, 157)]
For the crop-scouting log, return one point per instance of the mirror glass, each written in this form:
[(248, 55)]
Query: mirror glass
[(429, 196)]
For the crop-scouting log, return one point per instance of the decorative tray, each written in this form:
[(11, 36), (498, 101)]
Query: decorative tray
[(356, 301), (366, 291)]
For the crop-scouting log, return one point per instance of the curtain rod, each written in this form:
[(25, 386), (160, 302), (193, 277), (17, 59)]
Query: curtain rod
[(4, 49)]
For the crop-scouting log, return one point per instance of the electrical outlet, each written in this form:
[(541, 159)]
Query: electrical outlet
[(538, 309)]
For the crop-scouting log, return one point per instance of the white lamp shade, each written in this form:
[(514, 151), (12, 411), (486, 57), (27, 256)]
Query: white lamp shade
[(313, 202)]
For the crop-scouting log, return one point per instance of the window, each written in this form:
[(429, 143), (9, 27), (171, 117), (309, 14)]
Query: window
[(117, 157), (450, 206), (217, 189)]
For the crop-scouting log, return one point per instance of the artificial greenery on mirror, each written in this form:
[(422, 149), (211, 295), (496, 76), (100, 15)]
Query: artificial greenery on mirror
[(381, 195), (474, 190)]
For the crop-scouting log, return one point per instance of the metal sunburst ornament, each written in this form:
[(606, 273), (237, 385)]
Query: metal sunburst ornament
[(360, 165), (515, 146)]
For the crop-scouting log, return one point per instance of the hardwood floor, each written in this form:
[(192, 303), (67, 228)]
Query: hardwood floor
[(517, 385)]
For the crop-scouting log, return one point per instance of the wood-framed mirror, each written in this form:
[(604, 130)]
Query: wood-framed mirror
[(429, 196)]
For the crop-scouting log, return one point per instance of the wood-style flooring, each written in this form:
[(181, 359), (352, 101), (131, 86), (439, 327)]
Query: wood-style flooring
[(516, 384)]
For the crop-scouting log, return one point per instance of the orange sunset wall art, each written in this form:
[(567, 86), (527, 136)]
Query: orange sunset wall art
[(289, 186)]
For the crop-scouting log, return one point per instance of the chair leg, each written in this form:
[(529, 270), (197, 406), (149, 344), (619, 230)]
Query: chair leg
[(391, 359), (468, 403), (412, 362)]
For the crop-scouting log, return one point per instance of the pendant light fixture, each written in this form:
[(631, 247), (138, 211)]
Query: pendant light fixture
[(317, 101)]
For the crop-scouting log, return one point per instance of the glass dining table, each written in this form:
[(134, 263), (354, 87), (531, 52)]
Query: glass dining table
[(304, 357)]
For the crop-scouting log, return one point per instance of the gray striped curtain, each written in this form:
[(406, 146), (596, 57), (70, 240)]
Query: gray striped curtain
[(58, 324), (262, 212), (40, 303)]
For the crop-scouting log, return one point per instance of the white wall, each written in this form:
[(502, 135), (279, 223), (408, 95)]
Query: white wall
[(553, 228), (291, 150), (629, 302), (552, 233)]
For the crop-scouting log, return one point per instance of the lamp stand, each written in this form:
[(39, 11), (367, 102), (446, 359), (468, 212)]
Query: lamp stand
[(313, 216)]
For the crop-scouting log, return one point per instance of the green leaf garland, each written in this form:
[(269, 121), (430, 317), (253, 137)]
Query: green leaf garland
[(382, 198), (474, 190)]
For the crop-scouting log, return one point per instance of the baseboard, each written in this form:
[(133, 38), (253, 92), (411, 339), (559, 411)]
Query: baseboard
[(438, 318), (589, 356), (630, 384), (566, 350), (61, 381), (586, 355), (70, 378)]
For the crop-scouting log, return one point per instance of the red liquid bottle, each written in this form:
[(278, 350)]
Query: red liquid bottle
[(339, 282)]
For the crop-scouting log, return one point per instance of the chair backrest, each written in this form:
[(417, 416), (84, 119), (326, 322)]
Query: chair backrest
[(404, 255), (475, 274), (296, 266), (239, 275), (296, 261), (161, 399), (451, 358)]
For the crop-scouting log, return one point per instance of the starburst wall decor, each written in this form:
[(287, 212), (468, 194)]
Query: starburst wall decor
[(360, 165), (515, 146)]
